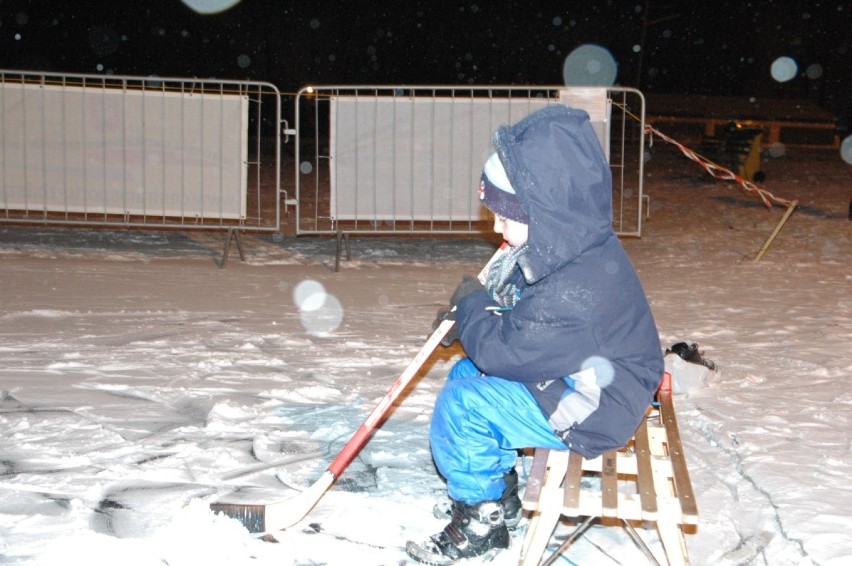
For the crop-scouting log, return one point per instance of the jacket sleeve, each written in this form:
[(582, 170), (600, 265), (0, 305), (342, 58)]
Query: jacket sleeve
[(535, 341)]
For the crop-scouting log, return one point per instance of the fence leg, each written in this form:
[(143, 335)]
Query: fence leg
[(342, 238), (235, 235)]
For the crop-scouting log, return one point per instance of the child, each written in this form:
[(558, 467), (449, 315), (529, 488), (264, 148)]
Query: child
[(562, 349)]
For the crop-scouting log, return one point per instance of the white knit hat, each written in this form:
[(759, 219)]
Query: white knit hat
[(497, 193)]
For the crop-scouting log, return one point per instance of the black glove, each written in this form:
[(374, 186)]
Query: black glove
[(468, 285), (447, 313)]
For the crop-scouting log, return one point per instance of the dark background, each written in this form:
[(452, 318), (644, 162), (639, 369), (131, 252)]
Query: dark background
[(682, 47)]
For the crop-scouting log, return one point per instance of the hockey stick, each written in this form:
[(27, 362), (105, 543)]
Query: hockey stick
[(287, 512)]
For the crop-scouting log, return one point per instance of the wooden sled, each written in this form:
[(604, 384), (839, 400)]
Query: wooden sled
[(645, 483)]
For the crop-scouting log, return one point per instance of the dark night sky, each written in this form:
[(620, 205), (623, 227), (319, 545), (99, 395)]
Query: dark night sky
[(690, 47)]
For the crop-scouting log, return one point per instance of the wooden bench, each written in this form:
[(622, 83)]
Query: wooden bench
[(646, 483)]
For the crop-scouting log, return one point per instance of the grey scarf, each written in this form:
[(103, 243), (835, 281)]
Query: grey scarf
[(506, 294)]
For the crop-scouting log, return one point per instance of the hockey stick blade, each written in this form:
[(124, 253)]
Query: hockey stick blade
[(280, 515)]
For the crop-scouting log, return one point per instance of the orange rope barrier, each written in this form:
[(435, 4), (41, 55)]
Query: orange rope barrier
[(723, 173)]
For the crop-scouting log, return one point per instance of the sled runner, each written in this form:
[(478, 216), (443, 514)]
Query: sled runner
[(646, 482)]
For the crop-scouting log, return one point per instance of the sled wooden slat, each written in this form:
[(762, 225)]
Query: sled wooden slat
[(537, 474), (609, 485), (645, 483), (644, 474), (573, 475), (683, 485)]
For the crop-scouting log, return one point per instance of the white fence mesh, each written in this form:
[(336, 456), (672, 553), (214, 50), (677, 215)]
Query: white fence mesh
[(131, 151), (386, 160)]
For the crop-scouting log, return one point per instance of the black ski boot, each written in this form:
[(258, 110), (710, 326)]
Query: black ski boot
[(474, 530), (510, 500)]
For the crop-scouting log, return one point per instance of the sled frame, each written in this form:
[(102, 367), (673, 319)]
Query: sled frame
[(645, 483)]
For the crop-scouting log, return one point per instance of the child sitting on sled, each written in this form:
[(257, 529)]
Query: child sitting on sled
[(562, 349)]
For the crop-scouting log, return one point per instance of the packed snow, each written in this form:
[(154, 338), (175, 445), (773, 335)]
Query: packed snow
[(139, 382)]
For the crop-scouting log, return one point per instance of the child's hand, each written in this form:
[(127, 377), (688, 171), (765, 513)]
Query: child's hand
[(468, 285), (446, 313)]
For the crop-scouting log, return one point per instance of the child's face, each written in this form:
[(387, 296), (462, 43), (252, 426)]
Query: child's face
[(514, 233)]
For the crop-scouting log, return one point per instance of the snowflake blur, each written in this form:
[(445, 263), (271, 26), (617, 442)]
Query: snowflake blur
[(320, 312)]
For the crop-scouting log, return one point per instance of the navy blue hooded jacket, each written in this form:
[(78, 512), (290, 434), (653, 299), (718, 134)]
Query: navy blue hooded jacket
[(581, 303)]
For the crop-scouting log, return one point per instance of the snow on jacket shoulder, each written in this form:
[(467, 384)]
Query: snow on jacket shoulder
[(581, 303)]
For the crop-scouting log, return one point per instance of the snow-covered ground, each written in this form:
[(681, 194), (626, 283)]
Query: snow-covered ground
[(138, 382)]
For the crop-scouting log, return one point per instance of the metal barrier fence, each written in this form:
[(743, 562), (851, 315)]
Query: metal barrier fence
[(406, 159), (139, 152)]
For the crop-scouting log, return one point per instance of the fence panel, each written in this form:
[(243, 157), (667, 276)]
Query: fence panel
[(406, 159), (135, 151)]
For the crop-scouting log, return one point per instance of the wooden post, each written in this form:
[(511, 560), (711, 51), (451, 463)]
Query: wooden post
[(780, 225)]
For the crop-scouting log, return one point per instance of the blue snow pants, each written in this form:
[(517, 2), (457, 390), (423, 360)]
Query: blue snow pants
[(478, 423)]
